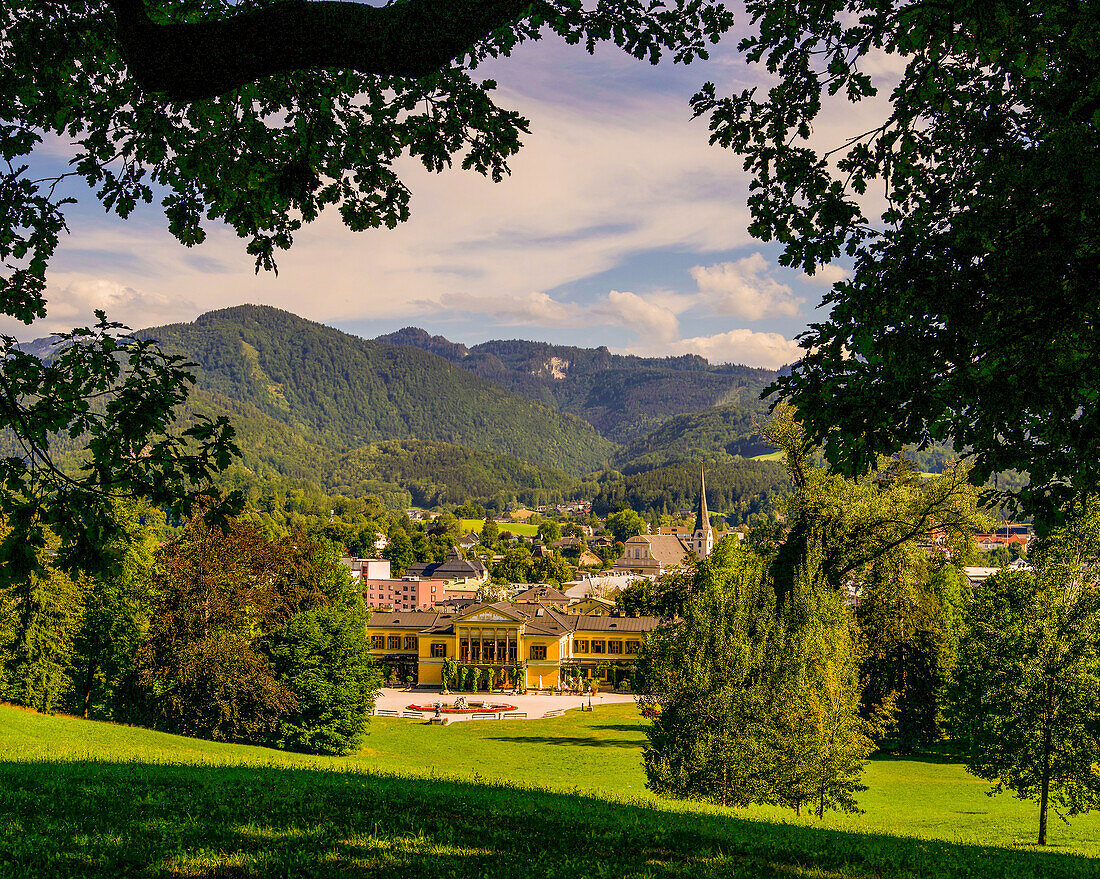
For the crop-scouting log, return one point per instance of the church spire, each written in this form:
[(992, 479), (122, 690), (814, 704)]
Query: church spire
[(702, 517), (703, 538)]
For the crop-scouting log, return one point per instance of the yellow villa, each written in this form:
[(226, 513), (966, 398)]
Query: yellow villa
[(545, 642)]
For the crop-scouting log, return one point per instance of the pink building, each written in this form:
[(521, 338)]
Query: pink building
[(408, 593)]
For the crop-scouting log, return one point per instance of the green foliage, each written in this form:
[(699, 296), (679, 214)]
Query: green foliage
[(322, 656), (756, 699), (112, 398), (205, 669), (1025, 697), (739, 488), (463, 678), (551, 569), (450, 674), (625, 524), (954, 322), (476, 677), (711, 435), (514, 567), (490, 532), (40, 619), (120, 584), (549, 532), (300, 373), (665, 597)]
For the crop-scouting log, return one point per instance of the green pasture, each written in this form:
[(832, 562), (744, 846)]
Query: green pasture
[(518, 528), (770, 456), (562, 797)]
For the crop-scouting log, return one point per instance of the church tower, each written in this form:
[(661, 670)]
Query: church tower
[(702, 540)]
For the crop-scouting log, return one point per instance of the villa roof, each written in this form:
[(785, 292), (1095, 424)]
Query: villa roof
[(411, 619), (537, 619), (616, 624)]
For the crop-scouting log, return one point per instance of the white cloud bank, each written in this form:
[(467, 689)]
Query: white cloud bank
[(746, 289)]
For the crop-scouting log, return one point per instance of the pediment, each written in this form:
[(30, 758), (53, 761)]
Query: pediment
[(488, 615)]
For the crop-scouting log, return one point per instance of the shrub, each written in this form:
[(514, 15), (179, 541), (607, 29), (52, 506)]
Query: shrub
[(322, 656)]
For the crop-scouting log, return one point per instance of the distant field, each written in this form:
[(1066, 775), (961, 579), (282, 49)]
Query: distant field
[(770, 456), (519, 528), (562, 797)]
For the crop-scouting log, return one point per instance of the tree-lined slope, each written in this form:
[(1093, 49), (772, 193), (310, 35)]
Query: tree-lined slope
[(718, 434), (622, 396), (349, 392)]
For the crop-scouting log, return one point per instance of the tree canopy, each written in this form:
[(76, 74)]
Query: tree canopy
[(260, 114), (969, 213)]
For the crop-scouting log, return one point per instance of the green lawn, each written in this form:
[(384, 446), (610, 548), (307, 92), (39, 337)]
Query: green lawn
[(519, 528), (562, 797)]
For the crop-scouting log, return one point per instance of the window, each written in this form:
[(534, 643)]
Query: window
[(394, 642), (439, 650), (614, 646), (632, 646), (598, 646), (538, 651), (377, 642), (580, 646), (410, 642)]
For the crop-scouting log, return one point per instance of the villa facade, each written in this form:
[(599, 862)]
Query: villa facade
[(542, 640)]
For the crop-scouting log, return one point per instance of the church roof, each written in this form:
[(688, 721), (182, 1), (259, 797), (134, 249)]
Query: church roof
[(668, 549)]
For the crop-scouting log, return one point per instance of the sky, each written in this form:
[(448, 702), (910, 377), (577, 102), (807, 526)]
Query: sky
[(619, 226)]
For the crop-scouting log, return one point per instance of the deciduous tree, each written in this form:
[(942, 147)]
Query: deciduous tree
[(1025, 697), (968, 209)]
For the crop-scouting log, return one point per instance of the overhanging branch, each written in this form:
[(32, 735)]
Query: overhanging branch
[(192, 61)]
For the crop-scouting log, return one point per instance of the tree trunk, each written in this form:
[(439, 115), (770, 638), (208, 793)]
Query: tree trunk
[(1044, 790), (89, 684)]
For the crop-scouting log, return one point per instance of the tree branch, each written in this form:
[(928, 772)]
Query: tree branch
[(192, 61)]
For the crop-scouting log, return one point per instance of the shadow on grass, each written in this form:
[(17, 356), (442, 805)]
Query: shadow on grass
[(108, 819), (639, 728), (941, 752), (576, 741)]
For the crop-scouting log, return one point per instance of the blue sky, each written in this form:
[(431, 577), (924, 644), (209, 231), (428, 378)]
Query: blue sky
[(619, 226)]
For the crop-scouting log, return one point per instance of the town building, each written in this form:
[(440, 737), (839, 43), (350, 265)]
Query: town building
[(406, 593), (377, 569), (651, 555), (546, 644), (453, 567)]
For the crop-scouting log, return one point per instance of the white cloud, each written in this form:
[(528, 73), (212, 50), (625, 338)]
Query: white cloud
[(745, 289), (525, 309), (648, 319), (767, 350), (597, 182), (827, 275), (73, 302)]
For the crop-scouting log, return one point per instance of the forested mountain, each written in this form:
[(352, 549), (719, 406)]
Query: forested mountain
[(718, 434), (622, 396), (352, 417), (347, 392), (739, 487)]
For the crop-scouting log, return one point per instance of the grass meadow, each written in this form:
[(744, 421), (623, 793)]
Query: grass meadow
[(561, 797), (521, 529)]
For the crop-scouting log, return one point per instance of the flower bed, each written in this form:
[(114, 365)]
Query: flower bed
[(471, 708)]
